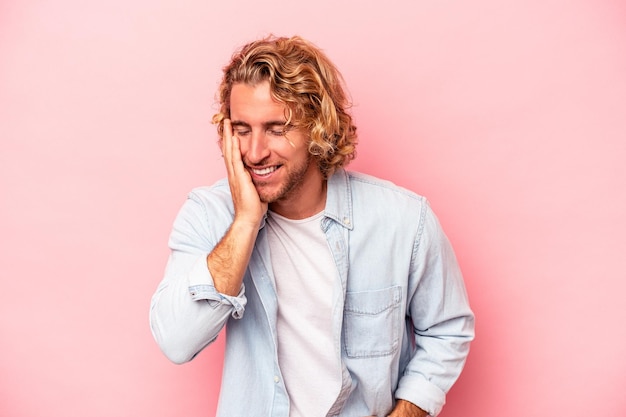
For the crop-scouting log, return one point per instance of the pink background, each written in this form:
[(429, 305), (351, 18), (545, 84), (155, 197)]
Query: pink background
[(509, 118)]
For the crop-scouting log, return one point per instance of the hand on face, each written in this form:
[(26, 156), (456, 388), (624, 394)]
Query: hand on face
[(248, 205)]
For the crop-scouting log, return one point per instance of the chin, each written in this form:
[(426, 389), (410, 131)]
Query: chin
[(267, 196)]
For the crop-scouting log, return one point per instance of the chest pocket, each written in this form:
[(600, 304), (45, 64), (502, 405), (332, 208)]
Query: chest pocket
[(371, 322)]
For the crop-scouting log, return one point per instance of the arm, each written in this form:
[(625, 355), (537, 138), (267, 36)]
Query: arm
[(229, 260), (443, 324), (211, 249)]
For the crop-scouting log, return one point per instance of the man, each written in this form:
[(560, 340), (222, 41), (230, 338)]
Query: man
[(340, 293)]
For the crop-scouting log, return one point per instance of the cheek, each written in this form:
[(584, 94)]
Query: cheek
[(296, 146), (288, 152), (244, 146)]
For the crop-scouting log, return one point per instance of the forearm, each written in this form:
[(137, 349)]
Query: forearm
[(228, 261), (196, 297), (186, 312)]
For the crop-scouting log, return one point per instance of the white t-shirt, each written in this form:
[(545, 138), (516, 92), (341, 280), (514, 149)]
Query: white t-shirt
[(306, 284)]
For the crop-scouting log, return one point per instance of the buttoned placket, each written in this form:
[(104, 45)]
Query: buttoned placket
[(337, 234), (266, 288)]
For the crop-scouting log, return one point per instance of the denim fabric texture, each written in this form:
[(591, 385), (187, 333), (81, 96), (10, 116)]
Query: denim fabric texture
[(402, 325)]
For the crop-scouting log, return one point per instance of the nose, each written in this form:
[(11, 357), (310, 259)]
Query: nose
[(256, 150)]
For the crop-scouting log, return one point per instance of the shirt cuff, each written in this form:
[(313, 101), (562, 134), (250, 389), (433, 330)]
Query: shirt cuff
[(202, 287), (422, 393)]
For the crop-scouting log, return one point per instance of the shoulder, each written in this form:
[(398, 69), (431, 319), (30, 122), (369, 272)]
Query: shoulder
[(394, 207), (219, 189), (204, 217), (214, 196), (208, 203), (375, 189)]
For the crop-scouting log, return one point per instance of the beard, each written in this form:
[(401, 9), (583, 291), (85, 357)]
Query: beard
[(289, 187)]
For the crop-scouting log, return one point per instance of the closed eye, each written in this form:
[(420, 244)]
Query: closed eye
[(277, 132), (242, 132), (273, 128), (279, 129)]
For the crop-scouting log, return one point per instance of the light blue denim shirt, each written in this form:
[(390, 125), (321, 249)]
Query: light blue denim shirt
[(402, 325)]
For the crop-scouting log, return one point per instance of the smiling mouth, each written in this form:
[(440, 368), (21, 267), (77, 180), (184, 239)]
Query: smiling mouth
[(264, 171)]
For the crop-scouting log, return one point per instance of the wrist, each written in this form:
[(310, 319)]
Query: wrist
[(246, 225), (405, 408)]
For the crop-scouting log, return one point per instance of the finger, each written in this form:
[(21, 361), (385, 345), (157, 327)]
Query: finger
[(236, 153), (234, 149), (227, 134)]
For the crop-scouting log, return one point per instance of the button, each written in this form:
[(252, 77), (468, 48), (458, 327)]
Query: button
[(276, 379), (346, 221)]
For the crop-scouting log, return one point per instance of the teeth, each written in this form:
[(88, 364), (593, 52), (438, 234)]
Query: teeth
[(264, 171)]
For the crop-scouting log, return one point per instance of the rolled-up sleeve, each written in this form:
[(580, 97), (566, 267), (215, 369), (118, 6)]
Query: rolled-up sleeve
[(187, 313), (201, 288), (443, 323)]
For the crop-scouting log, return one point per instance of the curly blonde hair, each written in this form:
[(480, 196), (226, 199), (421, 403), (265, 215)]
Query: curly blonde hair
[(308, 84)]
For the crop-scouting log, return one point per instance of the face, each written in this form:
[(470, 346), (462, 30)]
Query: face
[(275, 154)]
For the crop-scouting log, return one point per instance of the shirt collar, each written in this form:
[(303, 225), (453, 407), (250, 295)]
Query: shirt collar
[(339, 199)]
